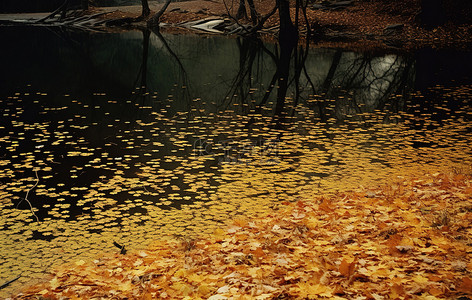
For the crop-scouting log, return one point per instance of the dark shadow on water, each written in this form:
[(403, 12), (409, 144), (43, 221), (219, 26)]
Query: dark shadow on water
[(99, 92)]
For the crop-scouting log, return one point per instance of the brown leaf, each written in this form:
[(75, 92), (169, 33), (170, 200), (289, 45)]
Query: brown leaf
[(465, 285), (347, 267)]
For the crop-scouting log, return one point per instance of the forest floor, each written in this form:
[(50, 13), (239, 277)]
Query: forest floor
[(411, 238), (362, 24)]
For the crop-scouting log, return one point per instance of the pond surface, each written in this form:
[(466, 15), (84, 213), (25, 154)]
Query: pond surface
[(136, 136)]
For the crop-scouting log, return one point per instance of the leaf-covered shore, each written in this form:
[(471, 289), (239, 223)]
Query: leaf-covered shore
[(407, 239)]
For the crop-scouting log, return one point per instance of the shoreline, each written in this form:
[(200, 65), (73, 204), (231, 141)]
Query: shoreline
[(361, 26)]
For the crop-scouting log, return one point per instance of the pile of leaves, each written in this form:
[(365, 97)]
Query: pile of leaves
[(409, 238)]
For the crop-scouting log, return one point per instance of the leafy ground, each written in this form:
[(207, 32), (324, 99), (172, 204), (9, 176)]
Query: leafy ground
[(408, 239)]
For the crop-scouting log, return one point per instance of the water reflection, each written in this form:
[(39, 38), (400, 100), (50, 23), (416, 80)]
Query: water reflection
[(220, 71), (136, 135)]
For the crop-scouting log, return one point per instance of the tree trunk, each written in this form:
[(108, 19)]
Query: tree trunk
[(287, 33), (254, 14), (288, 38), (432, 13), (154, 21), (146, 11), (241, 10)]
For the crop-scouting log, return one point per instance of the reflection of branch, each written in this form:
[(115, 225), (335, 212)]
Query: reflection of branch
[(143, 68), (401, 83), (299, 63), (26, 197), (269, 90), (174, 55), (171, 52), (332, 70), (248, 50)]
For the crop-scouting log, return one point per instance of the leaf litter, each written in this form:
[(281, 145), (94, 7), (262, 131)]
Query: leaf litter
[(406, 239)]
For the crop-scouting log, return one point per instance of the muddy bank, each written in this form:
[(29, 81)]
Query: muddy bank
[(345, 24), (355, 25)]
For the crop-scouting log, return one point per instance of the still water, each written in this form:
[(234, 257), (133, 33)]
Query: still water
[(135, 136)]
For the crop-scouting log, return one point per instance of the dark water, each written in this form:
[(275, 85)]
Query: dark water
[(132, 136)]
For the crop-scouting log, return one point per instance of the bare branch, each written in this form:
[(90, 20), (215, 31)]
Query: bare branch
[(154, 20), (26, 197), (262, 20), (62, 8)]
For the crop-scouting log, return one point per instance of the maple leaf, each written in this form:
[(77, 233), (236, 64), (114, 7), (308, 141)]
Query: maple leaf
[(203, 290), (259, 252), (465, 285), (125, 286), (307, 290), (347, 266)]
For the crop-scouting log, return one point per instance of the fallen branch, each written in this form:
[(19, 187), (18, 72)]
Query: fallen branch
[(122, 248), (9, 282), (62, 8), (84, 19), (26, 197)]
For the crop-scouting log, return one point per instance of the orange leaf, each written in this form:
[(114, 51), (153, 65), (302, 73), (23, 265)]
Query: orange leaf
[(434, 278), (435, 291), (466, 285), (301, 204), (393, 242), (397, 291), (347, 267), (259, 252), (147, 296), (325, 206)]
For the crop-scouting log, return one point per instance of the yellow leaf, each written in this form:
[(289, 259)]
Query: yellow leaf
[(182, 287), (80, 262), (127, 286), (255, 272), (307, 290), (203, 290), (420, 279), (54, 283)]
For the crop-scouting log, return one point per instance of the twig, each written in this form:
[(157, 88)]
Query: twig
[(122, 248), (9, 282), (26, 197)]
